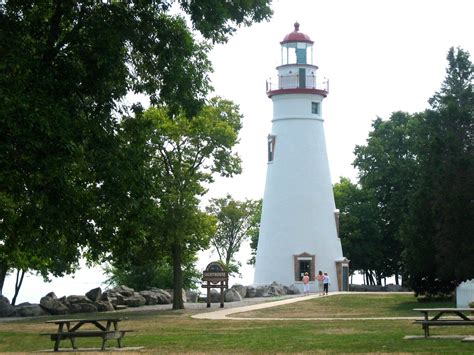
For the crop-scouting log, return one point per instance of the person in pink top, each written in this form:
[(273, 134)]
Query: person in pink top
[(306, 284), (320, 279)]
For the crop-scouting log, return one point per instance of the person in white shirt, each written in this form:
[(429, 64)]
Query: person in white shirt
[(326, 282)]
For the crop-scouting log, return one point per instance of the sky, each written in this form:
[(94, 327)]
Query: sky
[(379, 57)]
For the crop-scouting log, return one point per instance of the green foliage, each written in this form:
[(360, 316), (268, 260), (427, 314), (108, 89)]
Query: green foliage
[(386, 170), (254, 232), (235, 220), (359, 230), (438, 231), (143, 275), (175, 157), (420, 170), (65, 68)]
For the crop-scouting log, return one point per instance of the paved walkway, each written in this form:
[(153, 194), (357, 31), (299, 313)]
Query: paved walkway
[(226, 313)]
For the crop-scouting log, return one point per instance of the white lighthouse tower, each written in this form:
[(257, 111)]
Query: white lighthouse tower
[(298, 231)]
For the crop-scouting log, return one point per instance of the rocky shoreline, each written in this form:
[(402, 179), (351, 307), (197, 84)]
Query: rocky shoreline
[(123, 297)]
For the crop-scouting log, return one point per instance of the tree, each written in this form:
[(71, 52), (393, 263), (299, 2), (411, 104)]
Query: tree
[(254, 232), (387, 168), (359, 229), (234, 221), (65, 68), (178, 156), (438, 233)]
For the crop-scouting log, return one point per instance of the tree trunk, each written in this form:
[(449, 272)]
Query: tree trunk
[(18, 282), (396, 279), (177, 277), (3, 275)]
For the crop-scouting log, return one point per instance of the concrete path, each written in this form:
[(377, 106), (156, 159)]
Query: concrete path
[(225, 313)]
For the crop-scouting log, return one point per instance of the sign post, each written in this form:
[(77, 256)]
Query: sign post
[(215, 277)]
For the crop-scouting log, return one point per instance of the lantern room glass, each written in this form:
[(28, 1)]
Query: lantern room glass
[(297, 53)]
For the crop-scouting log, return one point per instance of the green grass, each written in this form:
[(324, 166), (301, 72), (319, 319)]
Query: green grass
[(342, 306), (176, 332)]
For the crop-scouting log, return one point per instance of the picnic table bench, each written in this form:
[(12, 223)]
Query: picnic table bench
[(458, 317), (105, 328)]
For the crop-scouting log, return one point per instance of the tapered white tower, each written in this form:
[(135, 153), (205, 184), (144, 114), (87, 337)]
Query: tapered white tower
[(298, 231)]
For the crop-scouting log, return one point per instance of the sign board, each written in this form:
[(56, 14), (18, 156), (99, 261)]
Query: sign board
[(215, 273), (215, 277)]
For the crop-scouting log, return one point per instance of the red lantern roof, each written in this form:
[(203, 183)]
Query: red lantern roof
[(296, 36)]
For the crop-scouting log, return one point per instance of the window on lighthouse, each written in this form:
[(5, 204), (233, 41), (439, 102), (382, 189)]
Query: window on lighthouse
[(271, 147), (315, 108), (301, 53)]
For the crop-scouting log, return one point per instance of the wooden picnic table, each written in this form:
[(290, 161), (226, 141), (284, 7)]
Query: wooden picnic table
[(105, 328), (457, 317)]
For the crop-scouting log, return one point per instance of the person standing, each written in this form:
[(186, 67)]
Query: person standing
[(326, 282), (306, 284), (320, 279)]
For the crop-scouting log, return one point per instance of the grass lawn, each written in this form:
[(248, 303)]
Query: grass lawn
[(176, 332), (348, 306)]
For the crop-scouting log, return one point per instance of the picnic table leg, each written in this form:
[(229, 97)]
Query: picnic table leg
[(104, 340), (73, 340), (119, 340)]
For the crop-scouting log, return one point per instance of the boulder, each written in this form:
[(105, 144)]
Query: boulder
[(192, 296), (78, 299), (6, 309), (136, 300), (215, 296), (259, 290), (124, 291), (83, 308), (232, 295), (171, 291), (242, 290), (273, 290), (292, 290), (395, 288), (52, 305), (29, 310), (251, 292), (94, 294), (151, 297), (112, 296), (104, 306)]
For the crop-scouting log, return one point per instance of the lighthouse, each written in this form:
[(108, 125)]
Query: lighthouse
[(299, 223)]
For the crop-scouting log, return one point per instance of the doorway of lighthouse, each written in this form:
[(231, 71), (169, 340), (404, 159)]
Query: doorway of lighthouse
[(304, 263)]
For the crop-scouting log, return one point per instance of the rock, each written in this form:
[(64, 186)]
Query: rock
[(192, 296), (119, 307), (52, 305), (77, 299), (151, 297), (112, 296), (6, 309), (52, 295), (251, 292), (273, 290), (232, 295), (260, 290), (104, 306), (395, 288), (215, 296), (183, 294), (242, 290), (134, 301), (83, 308), (94, 294), (292, 290), (124, 291), (29, 310)]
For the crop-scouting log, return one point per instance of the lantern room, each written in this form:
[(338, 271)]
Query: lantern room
[(296, 48)]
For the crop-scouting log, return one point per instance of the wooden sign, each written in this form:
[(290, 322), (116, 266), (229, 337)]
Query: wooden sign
[(215, 277)]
